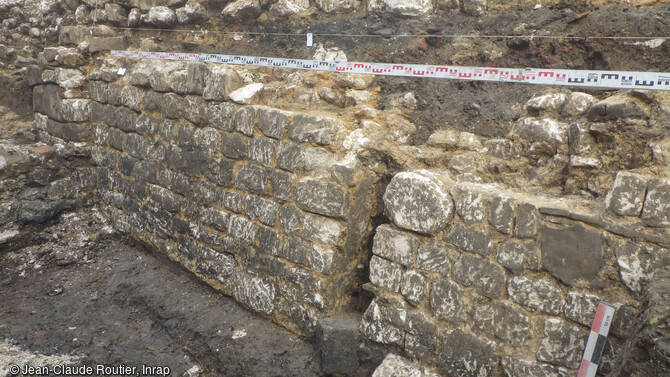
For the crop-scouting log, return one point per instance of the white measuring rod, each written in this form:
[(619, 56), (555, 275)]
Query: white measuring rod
[(597, 338), (542, 76)]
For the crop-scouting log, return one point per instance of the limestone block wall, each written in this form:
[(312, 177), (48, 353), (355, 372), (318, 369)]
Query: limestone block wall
[(479, 280), (229, 191)]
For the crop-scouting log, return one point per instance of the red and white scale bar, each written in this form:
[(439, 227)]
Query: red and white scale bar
[(564, 77), (597, 338)]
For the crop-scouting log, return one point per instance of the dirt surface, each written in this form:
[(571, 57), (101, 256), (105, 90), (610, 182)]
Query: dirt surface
[(86, 294)]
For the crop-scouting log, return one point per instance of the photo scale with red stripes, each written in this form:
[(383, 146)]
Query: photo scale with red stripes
[(563, 77), (597, 338)]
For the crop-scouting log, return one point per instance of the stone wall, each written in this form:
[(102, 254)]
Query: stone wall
[(480, 280)]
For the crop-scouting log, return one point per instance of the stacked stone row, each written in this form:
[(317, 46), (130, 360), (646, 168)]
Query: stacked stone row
[(480, 281)]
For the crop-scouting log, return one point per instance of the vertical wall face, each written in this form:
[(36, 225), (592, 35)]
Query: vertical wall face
[(479, 280), (228, 191)]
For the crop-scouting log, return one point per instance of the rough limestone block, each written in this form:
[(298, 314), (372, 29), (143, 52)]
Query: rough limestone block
[(68, 131), (294, 249), (337, 340), (337, 6), (164, 198), (572, 253), (465, 355), (505, 321), (580, 139), (376, 326), (232, 201), (220, 171), (220, 82), (262, 150), (323, 229), (314, 129), (413, 286), (637, 263), (321, 197), (517, 367), (47, 101), (191, 162), (468, 240), (262, 209), (245, 119), (321, 259), (253, 179), (242, 229), (518, 256), (131, 97), (214, 218), (207, 139), (502, 214), (538, 295), (395, 245), (220, 115), (234, 146), (419, 201), (471, 204), (273, 122), (398, 366), (656, 210), (526, 221), (433, 258), (290, 157), (206, 193), (282, 185), (445, 300), (541, 130), (627, 194), (385, 274), (485, 276), (254, 291), (407, 8), (194, 109), (268, 241), (581, 307), (160, 16), (291, 220), (562, 344), (171, 106), (547, 102)]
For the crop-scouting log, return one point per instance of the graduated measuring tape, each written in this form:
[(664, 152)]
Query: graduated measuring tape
[(565, 77), (596, 343)]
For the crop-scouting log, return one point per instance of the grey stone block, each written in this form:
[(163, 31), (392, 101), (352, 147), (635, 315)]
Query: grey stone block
[(76, 110), (445, 300), (132, 97), (122, 118), (627, 194), (638, 263), (294, 249), (217, 219), (290, 157), (220, 115), (206, 193), (516, 367), (485, 276), (190, 162), (220, 82), (46, 100), (465, 355), (164, 199), (242, 229), (323, 229), (234, 146), (207, 139), (470, 204), (581, 307), (107, 44), (395, 245), (126, 164), (214, 265), (375, 327), (419, 201), (268, 241), (98, 91), (33, 75), (656, 210), (220, 171), (253, 179), (561, 344), (282, 185), (152, 100), (254, 291), (572, 253), (322, 259), (194, 109), (272, 122), (232, 201), (262, 209), (433, 258), (502, 214), (245, 119), (526, 222), (262, 150), (174, 181), (385, 274), (413, 286), (69, 131), (321, 197), (468, 240), (171, 105), (117, 139), (114, 94), (538, 295), (505, 321), (518, 256), (291, 220), (337, 341), (316, 129)]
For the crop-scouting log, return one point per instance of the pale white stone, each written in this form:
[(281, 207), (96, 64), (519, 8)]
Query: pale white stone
[(245, 94)]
